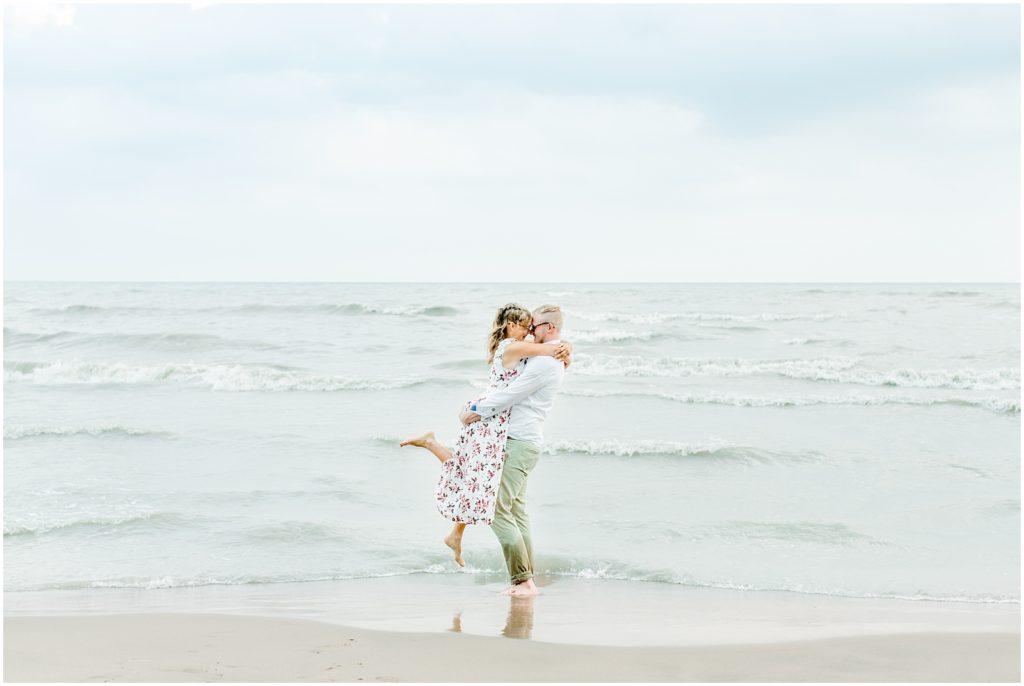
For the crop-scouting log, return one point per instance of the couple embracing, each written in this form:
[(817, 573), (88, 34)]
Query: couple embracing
[(483, 478)]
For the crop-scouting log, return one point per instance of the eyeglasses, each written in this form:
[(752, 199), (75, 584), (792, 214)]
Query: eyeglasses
[(534, 327)]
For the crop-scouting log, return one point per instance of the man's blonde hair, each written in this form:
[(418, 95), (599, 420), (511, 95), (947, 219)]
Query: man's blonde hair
[(551, 313)]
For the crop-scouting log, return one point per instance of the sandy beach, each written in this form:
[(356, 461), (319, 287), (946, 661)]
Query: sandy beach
[(230, 648), (458, 628)]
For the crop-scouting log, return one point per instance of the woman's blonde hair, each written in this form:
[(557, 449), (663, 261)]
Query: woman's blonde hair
[(513, 313)]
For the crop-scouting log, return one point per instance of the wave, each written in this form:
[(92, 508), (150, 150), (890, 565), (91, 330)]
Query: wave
[(829, 533), (740, 531), (973, 470), (733, 327), (160, 520), (30, 431), (414, 311), (827, 369), (556, 566), (296, 532), (828, 291), (479, 365), (611, 336), (338, 490), (837, 342), (167, 341), (998, 405), (13, 337), (715, 449), (661, 317), (342, 309), (323, 308), (218, 377), (81, 308), (955, 294)]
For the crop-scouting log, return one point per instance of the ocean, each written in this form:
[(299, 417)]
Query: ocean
[(855, 440)]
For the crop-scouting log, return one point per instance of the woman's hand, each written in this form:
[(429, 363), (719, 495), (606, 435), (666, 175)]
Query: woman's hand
[(563, 353)]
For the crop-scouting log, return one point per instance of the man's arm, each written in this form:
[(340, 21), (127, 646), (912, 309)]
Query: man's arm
[(539, 371)]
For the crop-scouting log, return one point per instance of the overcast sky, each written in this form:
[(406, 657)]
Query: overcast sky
[(512, 143)]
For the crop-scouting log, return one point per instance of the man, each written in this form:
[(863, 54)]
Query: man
[(531, 396)]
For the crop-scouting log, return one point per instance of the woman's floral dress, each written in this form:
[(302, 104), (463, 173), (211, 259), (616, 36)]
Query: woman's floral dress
[(468, 488)]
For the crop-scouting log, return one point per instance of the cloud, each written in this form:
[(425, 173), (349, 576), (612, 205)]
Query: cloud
[(336, 162), (27, 17)]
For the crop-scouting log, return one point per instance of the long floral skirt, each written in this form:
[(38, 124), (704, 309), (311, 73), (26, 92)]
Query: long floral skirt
[(468, 487)]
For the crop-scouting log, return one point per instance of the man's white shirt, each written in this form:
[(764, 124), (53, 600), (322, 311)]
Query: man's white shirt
[(531, 396)]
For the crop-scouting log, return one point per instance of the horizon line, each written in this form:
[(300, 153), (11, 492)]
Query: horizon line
[(538, 283)]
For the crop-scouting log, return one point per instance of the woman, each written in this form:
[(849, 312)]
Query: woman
[(468, 487)]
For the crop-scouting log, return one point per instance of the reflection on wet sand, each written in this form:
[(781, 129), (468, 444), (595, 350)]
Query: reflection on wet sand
[(519, 623)]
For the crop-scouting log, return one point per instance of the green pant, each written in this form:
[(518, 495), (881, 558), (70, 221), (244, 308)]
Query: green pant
[(511, 524)]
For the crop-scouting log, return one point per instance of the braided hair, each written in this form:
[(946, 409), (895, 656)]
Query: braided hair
[(513, 313)]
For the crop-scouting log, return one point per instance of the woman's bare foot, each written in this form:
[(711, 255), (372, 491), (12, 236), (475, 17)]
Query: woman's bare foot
[(428, 441), (455, 543), (420, 441)]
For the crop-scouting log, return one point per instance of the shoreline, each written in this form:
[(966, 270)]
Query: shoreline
[(458, 628), (568, 611), (198, 647)]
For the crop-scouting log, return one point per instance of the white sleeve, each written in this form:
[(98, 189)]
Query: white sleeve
[(536, 376)]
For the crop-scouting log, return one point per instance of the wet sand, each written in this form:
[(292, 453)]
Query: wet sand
[(459, 628)]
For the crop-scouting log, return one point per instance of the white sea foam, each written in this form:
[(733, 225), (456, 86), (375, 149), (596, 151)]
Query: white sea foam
[(32, 430), (715, 449), (999, 405), (13, 527), (84, 308), (661, 317), (609, 336), (575, 569), (218, 377), (341, 309), (171, 341), (258, 307), (828, 369), (837, 342), (637, 447)]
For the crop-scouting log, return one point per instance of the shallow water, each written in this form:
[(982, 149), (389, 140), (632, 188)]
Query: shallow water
[(840, 439)]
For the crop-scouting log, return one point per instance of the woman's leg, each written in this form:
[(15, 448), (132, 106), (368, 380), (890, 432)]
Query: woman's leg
[(428, 441), (454, 541)]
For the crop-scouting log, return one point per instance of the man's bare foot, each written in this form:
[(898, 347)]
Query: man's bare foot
[(455, 543), (526, 588), (424, 441)]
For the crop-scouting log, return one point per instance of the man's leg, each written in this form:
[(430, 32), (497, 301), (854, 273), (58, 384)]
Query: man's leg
[(522, 520), (520, 458), (525, 588)]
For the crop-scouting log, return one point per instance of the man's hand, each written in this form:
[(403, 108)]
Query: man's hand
[(468, 418)]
